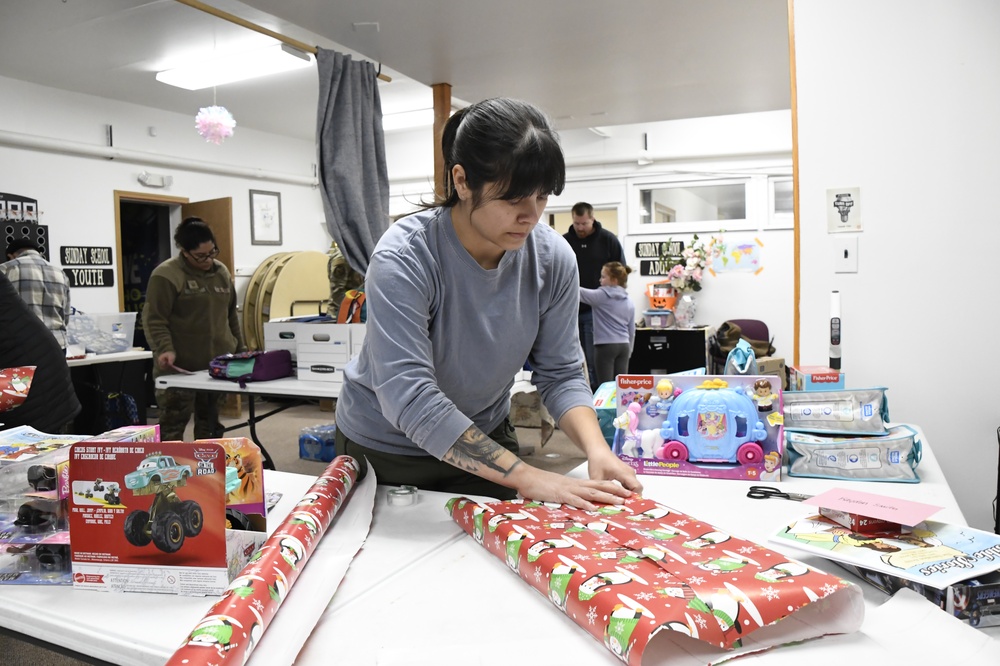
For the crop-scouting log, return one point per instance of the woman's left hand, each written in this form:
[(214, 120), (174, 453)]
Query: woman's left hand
[(606, 466)]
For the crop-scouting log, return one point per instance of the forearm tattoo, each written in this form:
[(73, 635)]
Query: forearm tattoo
[(474, 449)]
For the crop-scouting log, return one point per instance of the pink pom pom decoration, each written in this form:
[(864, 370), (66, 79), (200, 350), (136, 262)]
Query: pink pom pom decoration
[(214, 123)]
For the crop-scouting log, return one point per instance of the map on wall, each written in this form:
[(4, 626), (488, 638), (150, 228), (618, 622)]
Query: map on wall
[(739, 257)]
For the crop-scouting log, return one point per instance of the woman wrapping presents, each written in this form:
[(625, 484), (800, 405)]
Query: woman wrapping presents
[(190, 318), (458, 296)]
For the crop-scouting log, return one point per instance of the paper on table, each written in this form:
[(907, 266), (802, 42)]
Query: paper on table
[(930, 553), (894, 633), (233, 627), (870, 505), (307, 601), (180, 370)]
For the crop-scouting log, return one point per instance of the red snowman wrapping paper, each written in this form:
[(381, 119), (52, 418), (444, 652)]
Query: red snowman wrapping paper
[(233, 626), (14, 386), (628, 573)]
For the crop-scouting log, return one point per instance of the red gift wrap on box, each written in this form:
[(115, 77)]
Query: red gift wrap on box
[(626, 573), (233, 626)]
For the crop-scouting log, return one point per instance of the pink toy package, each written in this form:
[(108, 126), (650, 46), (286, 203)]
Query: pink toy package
[(708, 426)]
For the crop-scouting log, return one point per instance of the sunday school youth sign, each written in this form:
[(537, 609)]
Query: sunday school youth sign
[(75, 255), (85, 256)]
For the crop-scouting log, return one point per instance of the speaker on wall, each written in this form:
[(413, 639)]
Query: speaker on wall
[(38, 233)]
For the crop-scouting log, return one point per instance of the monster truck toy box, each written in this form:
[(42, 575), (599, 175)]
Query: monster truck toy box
[(165, 529), (706, 426)]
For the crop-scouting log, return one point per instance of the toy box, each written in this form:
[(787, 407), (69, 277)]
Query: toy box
[(708, 426), (605, 406), (164, 517), (976, 601), (814, 378), (34, 533)]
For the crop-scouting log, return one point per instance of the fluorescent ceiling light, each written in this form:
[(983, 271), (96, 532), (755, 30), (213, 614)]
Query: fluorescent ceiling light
[(407, 120), (231, 67)]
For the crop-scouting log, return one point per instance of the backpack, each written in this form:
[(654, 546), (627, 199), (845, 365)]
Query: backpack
[(352, 308), (252, 366)]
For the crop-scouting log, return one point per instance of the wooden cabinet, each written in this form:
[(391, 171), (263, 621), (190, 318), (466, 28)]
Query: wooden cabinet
[(660, 351)]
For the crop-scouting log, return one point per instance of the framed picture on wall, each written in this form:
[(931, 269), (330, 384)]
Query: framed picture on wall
[(265, 218)]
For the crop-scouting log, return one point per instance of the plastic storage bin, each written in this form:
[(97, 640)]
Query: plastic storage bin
[(318, 442), (102, 333)]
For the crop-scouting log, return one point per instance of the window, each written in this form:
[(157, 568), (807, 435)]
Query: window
[(781, 202), (692, 206)]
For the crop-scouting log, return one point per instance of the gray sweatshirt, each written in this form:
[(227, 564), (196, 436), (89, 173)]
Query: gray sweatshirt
[(445, 337), (614, 314)]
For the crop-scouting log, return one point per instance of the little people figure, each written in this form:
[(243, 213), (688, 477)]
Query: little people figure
[(763, 395), (665, 394)]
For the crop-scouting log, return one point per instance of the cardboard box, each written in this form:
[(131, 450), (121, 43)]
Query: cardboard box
[(814, 378), (289, 332), (323, 365), (157, 517), (323, 352), (705, 426), (773, 365), (858, 523)]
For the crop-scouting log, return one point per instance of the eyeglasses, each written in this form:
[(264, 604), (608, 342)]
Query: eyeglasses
[(202, 256)]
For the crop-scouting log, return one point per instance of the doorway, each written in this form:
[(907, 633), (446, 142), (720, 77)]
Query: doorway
[(145, 244)]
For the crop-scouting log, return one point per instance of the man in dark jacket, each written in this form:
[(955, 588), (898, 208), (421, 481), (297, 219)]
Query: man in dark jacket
[(594, 246), (51, 404)]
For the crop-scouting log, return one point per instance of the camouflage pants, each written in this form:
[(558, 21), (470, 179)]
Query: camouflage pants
[(176, 406)]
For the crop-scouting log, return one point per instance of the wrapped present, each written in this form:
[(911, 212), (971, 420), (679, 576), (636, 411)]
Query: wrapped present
[(641, 571)]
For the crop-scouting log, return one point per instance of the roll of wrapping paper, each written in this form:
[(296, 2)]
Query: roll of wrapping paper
[(233, 626)]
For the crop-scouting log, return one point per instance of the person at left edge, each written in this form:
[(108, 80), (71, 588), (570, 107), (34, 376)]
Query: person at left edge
[(189, 318), (42, 286)]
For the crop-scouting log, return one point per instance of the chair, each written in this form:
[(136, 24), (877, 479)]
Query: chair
[(753, 330)]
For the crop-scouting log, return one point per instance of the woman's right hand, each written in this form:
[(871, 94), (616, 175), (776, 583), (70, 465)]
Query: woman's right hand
[(536, 484), (166, 360)]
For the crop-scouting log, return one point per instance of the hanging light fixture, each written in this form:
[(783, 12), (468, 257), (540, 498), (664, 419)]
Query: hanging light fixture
[(231, 67)]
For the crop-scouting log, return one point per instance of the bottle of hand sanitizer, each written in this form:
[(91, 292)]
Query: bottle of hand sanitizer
[(835, 330)]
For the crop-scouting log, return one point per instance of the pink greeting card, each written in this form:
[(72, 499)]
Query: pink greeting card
[(891, 509)]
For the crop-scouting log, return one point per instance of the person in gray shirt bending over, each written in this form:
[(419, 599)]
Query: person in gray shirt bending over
[(458, 296)]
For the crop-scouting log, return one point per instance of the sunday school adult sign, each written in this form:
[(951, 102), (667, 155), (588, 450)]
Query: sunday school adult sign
[(656, 257)]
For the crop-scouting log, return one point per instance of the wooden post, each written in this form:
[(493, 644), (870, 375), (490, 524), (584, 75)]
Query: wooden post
[(442, 111)]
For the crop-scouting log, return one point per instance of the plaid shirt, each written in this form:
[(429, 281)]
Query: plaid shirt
[(44, 288)]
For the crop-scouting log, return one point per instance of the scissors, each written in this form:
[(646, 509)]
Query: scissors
[(766, 492)]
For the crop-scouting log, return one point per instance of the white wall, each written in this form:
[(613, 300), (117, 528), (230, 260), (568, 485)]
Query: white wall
[(76, 194), (900, 98)]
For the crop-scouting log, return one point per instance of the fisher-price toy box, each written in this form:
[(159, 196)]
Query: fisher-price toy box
[(706, 426), (180, 517), (814, 378)]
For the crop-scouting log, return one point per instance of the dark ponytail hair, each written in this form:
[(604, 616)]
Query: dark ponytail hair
[(192, 232), (506, 144)]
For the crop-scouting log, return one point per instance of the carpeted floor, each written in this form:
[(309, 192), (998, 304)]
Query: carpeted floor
[(280, 436)]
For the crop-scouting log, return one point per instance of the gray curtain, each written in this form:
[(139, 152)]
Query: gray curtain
[(352, 171)]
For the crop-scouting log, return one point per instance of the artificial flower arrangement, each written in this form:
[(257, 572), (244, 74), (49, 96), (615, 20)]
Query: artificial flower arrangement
[(687, 269)]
